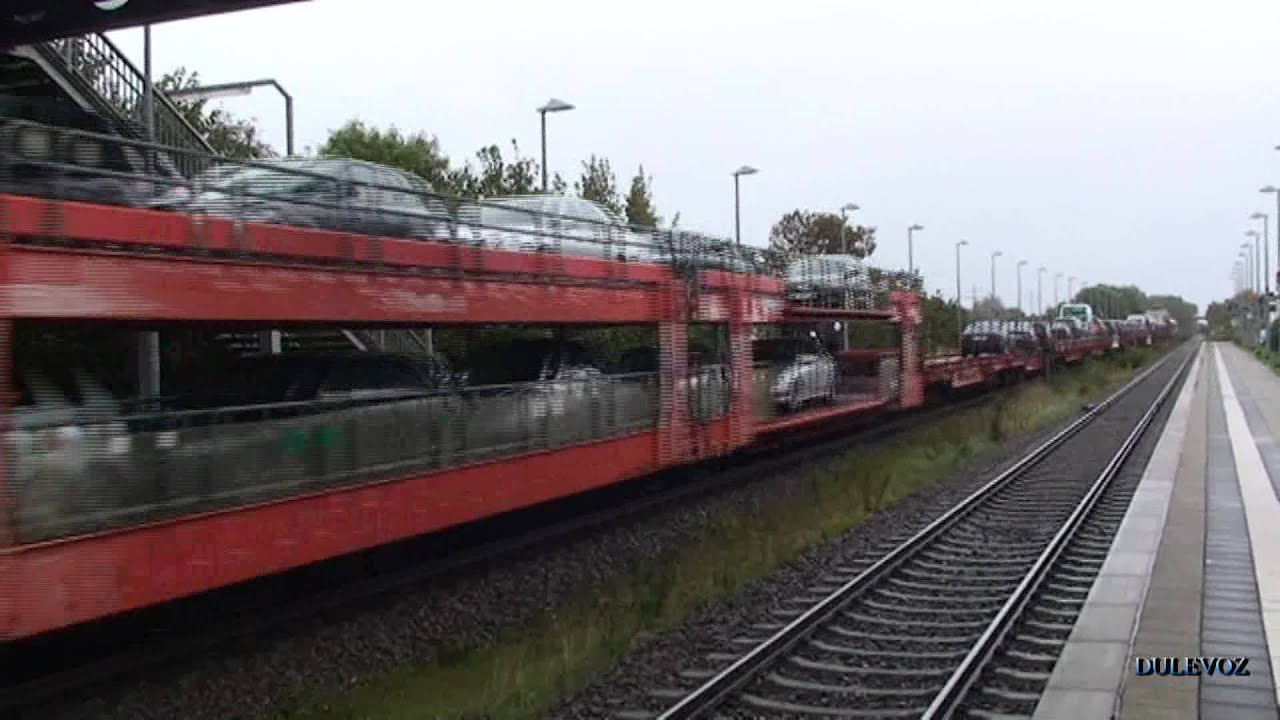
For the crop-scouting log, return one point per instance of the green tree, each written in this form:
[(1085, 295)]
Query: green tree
[(940, 324), (640, 210), (1183, 312), (229, 135), (599, 184), (418, 153), (801, 232), (1113, 301), (491, 174), (1220, 317), (989, 307), (836, 236), (495, 176), (789, 238)]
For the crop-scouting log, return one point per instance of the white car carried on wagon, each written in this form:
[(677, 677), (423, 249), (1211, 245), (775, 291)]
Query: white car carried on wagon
[(556, 224), (806, 372)]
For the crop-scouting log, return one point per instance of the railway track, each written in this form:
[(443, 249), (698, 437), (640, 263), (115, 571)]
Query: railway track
[(964, 618), (73, 664)]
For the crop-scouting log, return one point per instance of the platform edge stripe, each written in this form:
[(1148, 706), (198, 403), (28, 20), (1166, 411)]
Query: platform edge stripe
[(1162, 465), (1262, 513)]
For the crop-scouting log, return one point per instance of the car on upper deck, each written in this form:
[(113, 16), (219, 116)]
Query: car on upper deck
[(555, 224), (329, 193), (835, 281), (1080, 312), (985, 337), (698, 251)]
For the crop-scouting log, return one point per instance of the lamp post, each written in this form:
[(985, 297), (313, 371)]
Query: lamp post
[(1019, 271), (911, 252), (269, 340), (1056, 278), (553, 105), (844, 220), (1276, 191), (1071, 288), (959, 297), (1247, 254), (1257, 259), (148, 89), (233, 89), (148, 340), (1266, 249), (1040, 291), (995, 254), (737, 201)]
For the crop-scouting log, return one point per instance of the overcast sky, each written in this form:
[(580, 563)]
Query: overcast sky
[(1119, 142)]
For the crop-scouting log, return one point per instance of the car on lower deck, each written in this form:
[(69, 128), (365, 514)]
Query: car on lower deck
[(67, 449), (804, 372)]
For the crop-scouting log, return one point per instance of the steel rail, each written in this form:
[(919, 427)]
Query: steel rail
[(949, 700), (715, 690)]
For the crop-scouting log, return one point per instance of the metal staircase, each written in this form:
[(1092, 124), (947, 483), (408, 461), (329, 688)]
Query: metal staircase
[(99, 77)]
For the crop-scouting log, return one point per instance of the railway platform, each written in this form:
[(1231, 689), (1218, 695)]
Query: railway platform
[(1195, 569)]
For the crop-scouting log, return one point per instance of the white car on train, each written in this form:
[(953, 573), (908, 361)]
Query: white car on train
[(557, 224)]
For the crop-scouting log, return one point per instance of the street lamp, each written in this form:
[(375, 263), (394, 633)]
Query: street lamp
[(1247, 254), (1019, 271), (148, 340), (1040, 291), (553, 105), (1071, 288), (1056, 278), (236, 89), (959, 298), (911, 263), (995, 254), (1266, 249), (737, 202), (1275, 191), (1257, 257), (844, 220)]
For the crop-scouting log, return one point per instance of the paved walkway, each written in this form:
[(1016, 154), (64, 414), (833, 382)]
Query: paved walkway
[(1195, 569)]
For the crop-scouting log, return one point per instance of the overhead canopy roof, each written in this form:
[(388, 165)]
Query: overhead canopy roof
[(23, 22)]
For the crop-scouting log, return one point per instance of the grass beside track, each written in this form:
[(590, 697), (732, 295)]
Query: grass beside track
[(1268, 358), (528, 669)]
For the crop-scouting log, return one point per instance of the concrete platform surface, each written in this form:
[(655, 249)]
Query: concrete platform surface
[(1195, 569)]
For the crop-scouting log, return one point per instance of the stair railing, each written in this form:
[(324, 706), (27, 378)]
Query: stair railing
[(101, 67)]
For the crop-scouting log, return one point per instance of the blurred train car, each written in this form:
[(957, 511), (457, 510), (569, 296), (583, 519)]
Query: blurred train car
[(201, 398)]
